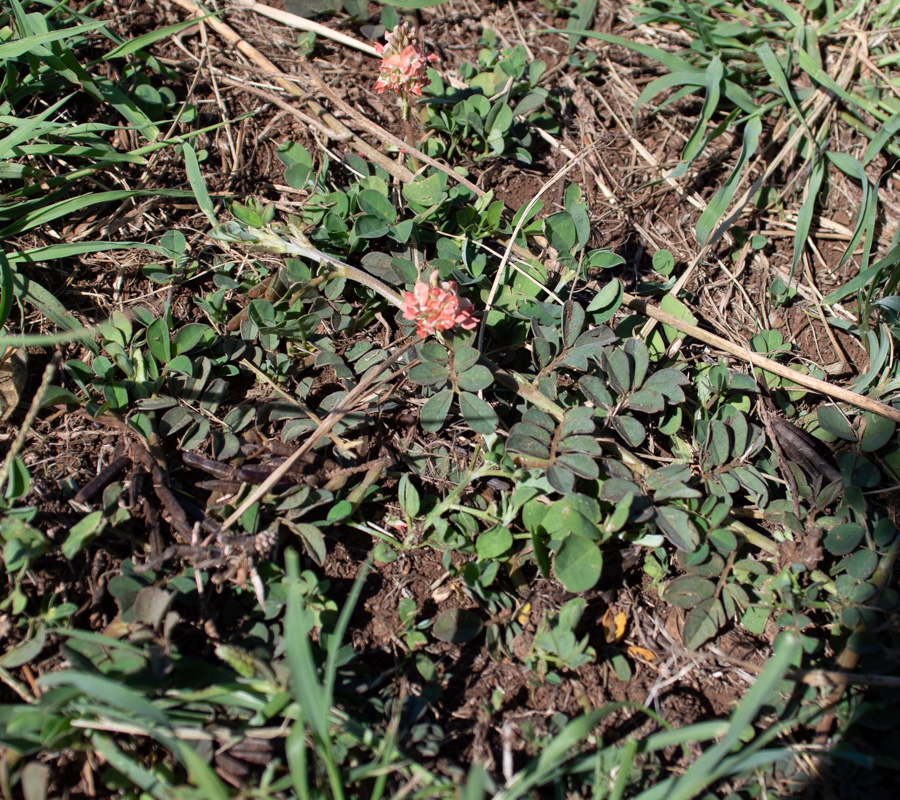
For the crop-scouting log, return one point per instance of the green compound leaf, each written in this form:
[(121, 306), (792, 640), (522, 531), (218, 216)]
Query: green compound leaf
[(703, 622), (607, 301), (861, 564), (660, 339), (620, 370), (494, 543), (647, 400), (878, 432), (583, 466), (677, 527), (478, 414), (434, 412), (19, 481), (575, 205), (663, 262), (457, 626), (475, 379), (689, 591), (560, 231), (433, 351), (843, 539), (26, 651), (578, 563), (408, 495), (428, 374), (518, 442), (375, 203), (629, 429), (426, 192), (82, 533), (464, 357), (158, 341), (560, 478)]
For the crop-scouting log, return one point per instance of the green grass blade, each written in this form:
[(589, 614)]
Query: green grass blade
[(697, 142), (833, 22), (562, 747), (38, 297), (785, 9), (698, 732), (700, 26), (304, 676), (415, 3), (67, 68), (105, 156), (863, 279), (701, 772), (743, 763), (128, 767), (147, 39), (475, 783), (56, 251), (555, 753), (192, 166), (865, 221), (24, 130), (202, 774), (18, 47), (584, 11), (6, 289), (738, 95), (49, 339), (99, 639), (692, 81), (340, 629), (23, 24), (776, 73), (109, 691), (886, 133), (130, 111), (629, 750), (295, 750), (821, 77), (673, 62), (805, 215), (717, 207), (61, 208)]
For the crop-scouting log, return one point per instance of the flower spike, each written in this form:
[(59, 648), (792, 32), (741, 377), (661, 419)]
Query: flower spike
[(436, 306), (403, 64)]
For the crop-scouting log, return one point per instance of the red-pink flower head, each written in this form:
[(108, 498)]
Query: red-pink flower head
[(435, 306), (403, 63)]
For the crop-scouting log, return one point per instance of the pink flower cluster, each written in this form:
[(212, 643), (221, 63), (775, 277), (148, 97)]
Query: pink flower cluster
[(403, 63), (437, 307)]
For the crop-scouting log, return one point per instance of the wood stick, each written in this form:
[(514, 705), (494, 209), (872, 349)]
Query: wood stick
[(805, 381), (303, 24)]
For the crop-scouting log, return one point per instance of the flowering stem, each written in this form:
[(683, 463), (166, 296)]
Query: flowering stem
[(341, 270), (411, 138)]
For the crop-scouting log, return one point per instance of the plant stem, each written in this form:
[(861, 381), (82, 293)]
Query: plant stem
[(413, 142)]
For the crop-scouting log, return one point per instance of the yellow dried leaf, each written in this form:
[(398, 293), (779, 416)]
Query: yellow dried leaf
[(614, 630), (524, 614), (640, 652)]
